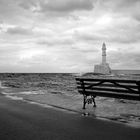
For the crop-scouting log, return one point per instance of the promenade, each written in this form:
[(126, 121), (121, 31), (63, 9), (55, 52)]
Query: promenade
[(20, 120)]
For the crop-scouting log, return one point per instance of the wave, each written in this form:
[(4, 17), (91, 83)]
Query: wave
[(25, 93), (14, 97)]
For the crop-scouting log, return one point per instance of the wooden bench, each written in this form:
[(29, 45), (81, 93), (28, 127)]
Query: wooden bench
[(115, 88)]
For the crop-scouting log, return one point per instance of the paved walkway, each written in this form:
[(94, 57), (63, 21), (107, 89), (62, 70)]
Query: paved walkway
[(23, 121)]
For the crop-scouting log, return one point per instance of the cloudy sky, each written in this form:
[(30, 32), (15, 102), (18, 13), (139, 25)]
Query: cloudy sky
[(67, 35)]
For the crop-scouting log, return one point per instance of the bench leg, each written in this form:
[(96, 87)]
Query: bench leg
[(93, 99), (84, 101)]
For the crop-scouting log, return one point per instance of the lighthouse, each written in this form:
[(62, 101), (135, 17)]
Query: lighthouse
[(103, 54), (103, 68)]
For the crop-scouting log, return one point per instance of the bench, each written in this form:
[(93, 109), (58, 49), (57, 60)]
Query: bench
[(114, 88)]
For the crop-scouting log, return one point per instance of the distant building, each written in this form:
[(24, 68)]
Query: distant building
[(103, 68)]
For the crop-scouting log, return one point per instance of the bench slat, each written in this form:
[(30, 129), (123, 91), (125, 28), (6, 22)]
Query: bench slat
[(109, 94), (109, 84), (111, 89), (107, 80)]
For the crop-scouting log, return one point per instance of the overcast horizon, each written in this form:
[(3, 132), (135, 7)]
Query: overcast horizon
[(67, 35)]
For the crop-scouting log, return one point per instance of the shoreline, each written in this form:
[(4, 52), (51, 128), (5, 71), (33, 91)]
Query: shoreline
[(72, 104)]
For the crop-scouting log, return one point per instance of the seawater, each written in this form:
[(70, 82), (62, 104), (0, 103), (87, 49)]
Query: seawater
[(64, 84), (56, 82), (129, 72)]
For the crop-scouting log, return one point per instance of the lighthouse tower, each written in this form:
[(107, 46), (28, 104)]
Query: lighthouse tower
[(103, 68), (103, 54)]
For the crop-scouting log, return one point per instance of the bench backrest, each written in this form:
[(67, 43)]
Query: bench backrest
[(125, 89)]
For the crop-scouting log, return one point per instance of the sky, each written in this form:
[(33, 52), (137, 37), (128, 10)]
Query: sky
[(67, 35)]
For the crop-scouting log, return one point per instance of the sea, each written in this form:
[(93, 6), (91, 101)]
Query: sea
[(50, 88)]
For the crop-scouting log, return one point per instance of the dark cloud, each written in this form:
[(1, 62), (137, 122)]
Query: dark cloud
[(57, 6), (7, 9), (18, 31), (127, 3), (123, 7), (119, 4), (27, 4), (67, 5), (12, 13)]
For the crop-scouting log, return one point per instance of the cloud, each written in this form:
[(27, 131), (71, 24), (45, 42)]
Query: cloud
[(28, 4), (67, 35), (67, 5), (123, 7), (12, 13), (88, 36), (120, 30), (119, 4), (126, 3), (57, 7), (19, 31), (56, 41)]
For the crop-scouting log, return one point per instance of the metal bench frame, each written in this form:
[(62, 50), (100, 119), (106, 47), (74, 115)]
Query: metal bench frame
[(114, 88)]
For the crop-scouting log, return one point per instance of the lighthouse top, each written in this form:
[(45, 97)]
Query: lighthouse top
[(104, 46), (103, 54)]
